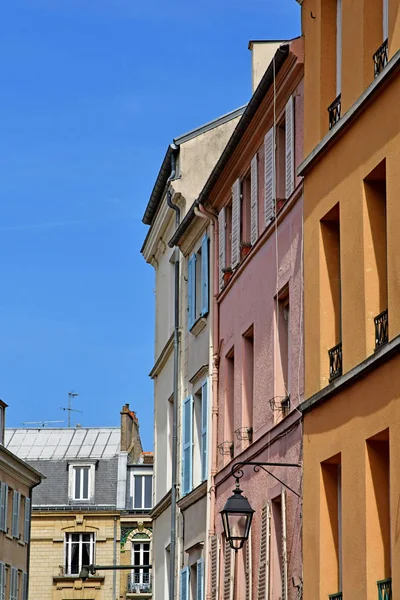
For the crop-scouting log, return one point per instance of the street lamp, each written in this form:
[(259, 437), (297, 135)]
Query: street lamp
[(236, 519)]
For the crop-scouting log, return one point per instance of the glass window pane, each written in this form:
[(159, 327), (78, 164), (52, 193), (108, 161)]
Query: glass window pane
[(147, 491), (74, 558), (136, 558), (85, 494), (85, 555), (138, 492), (77, 482)]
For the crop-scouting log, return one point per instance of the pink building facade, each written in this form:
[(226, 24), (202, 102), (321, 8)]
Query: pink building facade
[(256, 199)]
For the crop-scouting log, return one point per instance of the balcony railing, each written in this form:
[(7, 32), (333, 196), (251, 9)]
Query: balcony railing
[(381, 329), (338, 596), (335, 361), (334, 111), (139, 582), (385, 589), (381, 58)]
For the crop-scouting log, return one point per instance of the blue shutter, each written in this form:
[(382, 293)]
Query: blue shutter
[(187, 445), (192, 290), (204, 423), (204, 276), (2, 581), (184, 591), (200, 580)]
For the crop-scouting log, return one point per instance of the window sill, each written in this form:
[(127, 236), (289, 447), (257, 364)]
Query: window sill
[(193, 496), (198, 326), (21, 542)]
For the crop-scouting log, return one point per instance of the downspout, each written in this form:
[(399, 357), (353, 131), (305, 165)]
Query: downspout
[(175, 390), (115, 560), (214, 376)]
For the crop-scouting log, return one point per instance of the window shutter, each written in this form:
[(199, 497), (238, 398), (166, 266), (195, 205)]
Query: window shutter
[(289, 142), (204, 423), (204, 276), (235, 223), (284, 548), (187, 445), (248, 572), (200, 579), (2, 581), (385, 19), (214, 566), (192, 291), (229, 573), (3, 506), (222, 235), (263, 569), (338, 47), (15, 514), (254, 200), (24, 586), (269, 158), (184, 591), (14, 584), (27, 520)]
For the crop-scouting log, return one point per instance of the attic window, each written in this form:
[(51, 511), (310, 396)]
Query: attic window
[(81, 482)]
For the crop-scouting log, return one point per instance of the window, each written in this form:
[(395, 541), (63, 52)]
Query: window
[(27, 519), (195, 439), (14, 583), (79, 552), (198, 279), (248, 378), (24, 586), (2, 410), (81, 482), (228, 235), (16, 509), (140, 576), (142, 489), (282, 375), (196, 580), (229, 395), (245, 219), (3, 506), (2, 581), (331, 527)]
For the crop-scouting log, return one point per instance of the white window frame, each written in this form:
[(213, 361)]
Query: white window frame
[(68, 550), (141, 542), (140, 473), (71, 481)]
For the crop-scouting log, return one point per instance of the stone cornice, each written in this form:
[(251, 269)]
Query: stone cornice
[(14, 466), (163, 357), (194, 496), (161, 506)]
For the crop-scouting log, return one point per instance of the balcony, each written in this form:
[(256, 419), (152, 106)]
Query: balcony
[(381, 58), (385, 589), (381, 329), (338, 596), (334, 111), (139, 583), (335, 362)]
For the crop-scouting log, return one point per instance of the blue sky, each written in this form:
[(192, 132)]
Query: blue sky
[(92, 92)]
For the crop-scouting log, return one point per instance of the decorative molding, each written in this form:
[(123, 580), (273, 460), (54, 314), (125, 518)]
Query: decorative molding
[(163, 357), (194, 496), (161, 506)]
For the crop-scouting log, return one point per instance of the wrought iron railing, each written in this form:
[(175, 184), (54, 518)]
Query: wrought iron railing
[(381, 329), (338, 596), (334, 111), (385, 589), (381, 58), (139, 582), (335, 361)]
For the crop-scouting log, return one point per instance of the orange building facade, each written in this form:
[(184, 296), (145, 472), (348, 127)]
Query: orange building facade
[(351, 436)]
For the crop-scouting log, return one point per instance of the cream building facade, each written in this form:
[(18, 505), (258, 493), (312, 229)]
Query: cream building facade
[(182, 351)]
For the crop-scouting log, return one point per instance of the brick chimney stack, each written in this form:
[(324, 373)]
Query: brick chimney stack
[(130, 437)]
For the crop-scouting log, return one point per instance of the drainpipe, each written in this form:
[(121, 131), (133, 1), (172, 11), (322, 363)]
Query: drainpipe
[(115, 560), (214, 376), (176, 380)]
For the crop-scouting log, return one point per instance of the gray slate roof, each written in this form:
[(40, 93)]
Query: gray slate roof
[(61, 444)]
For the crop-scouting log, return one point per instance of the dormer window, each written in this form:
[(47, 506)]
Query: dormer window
[(81, 482)]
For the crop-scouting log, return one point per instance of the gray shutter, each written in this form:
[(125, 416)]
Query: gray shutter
[(184, 590), (284, 548), (222, 235), (263, 569), (229, 573), (248, 569), (214, 566), (235, 223), (289, 143), (200, 580), (27, 519), (2, 581), (270, 183), (204, 275), (24, 586), (254, 200), (192, 291), (3, 506), (13, 584), (15, 515)]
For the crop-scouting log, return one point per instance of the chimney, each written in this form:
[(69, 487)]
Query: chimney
[(130, 437), (262, 53)]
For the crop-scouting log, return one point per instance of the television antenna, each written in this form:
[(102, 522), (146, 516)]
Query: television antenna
[(40, 423), (68, 408)]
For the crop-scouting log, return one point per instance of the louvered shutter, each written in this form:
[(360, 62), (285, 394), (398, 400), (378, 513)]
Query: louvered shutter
[(263, 569), (192, 291), (235, 223), (269, 179), (284, 548), (27, 519), (24, 586), (289, 144), (254, 200), (14, 584), (3, 506), (184, 591), (200, 579), (204, 275), (248, 569), (229, 572), (187, 445), (222, 235), (214, 566), (2, 581), (15, 514), (204, 423)]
